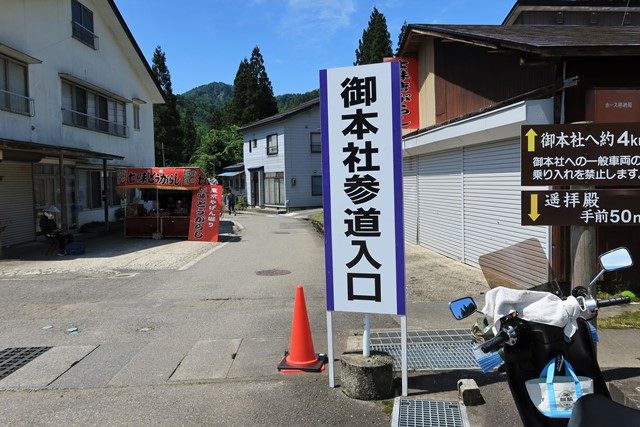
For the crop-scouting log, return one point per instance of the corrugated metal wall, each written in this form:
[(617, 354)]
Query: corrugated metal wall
[(410, 192), (16, 203), (440, 204), (493, 236), (469, 209)]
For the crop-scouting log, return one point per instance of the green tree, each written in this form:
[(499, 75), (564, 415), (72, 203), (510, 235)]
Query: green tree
[(401, 35), (166, 119), (189, 137), (265, 102), (244, 86), (375, 43), (252, 91), (218, 148)]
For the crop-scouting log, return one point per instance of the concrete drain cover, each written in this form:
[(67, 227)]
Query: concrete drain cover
[(12, 359), (448, 349), (428, 413), (273, 272)]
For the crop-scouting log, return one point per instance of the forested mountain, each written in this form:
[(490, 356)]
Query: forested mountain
[(216, 93), (292, 100), (203, 100)]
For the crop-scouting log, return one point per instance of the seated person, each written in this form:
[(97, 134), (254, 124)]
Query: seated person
[(50, 229)]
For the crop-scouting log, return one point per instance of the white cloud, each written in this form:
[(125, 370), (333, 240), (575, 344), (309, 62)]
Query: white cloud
[(314, 20)]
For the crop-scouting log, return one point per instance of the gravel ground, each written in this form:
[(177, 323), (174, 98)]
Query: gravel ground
[(433, 277), (109, 256)]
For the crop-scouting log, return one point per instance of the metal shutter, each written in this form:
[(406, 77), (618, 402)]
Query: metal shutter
[(410, 192), (440, 202), (16, 206), (493, 236)]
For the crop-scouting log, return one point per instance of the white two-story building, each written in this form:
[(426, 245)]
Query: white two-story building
[(76, 101), (282, 159)]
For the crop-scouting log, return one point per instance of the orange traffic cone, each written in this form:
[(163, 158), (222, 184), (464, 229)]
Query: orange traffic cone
[(301, 356)]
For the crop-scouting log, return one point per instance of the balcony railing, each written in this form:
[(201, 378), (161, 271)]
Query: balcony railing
[(85, 35), (16, 103), (82, 120)]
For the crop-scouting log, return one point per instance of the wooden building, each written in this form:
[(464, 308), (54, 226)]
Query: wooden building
[(478, 85)]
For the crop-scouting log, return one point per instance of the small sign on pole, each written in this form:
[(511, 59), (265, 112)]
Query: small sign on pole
[(362, 190), (581, 207), (580, 154)]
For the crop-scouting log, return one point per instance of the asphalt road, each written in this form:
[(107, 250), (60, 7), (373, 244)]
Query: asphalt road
[(200, 345), (145, 340)]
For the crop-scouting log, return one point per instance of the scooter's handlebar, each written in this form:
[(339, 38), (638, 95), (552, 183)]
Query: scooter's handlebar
[(495, 343), (613, 301)]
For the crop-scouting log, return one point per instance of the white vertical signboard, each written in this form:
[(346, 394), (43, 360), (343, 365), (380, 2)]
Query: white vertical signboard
[(362, 189)]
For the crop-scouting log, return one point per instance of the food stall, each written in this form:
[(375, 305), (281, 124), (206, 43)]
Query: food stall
[(170, 202)]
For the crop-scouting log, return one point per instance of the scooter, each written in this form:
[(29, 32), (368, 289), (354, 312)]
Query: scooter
[(528, 348)]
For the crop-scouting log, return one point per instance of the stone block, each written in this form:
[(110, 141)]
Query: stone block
[(469, 393), (367, 378)]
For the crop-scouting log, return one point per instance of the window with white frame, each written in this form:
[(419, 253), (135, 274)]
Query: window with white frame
[(82, 24), (274, 188), (316, 185), (316, 142), (82, 107), (272, 144), (14, 88)]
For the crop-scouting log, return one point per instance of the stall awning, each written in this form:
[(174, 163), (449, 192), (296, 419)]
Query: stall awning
[(230, 173), (162, 178)]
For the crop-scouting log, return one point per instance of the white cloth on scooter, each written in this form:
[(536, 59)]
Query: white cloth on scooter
[(534, 306)]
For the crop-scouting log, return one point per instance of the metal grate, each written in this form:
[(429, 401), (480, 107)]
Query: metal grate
[(12, 359), (427, 413), (418, 337), (447, 349)]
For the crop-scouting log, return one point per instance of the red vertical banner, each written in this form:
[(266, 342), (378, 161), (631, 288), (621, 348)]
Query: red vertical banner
[(206, 206), (409, 91)]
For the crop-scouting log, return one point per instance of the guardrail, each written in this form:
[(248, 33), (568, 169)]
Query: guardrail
[(82, 120), (16, 103)]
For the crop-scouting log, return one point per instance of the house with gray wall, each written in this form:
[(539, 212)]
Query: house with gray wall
[(282, 159), (76, 103)]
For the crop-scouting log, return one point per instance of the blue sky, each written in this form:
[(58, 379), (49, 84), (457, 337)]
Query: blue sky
[(205, 40)]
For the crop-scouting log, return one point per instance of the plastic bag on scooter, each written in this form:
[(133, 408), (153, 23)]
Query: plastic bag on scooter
[(555, 395)]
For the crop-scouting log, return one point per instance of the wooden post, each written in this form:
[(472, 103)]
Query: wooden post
[(583, 252), (63, 193), (105, 200)]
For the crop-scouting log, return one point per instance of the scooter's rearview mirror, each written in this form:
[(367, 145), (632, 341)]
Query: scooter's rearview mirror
[(463, 307), (616, 259)]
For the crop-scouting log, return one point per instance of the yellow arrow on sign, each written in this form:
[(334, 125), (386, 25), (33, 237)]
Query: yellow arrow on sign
[(531, 140), (534, 208)]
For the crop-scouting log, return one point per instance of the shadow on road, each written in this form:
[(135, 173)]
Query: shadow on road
[(445, 381)]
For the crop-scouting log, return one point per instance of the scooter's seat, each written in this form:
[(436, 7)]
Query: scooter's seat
[(596, 410)]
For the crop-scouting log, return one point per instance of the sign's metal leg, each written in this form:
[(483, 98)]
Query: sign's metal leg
[(366, 336), (332, 380), (403, 341)]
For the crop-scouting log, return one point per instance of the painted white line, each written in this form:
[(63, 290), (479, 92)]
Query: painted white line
[(240, 226), (201, 257)]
